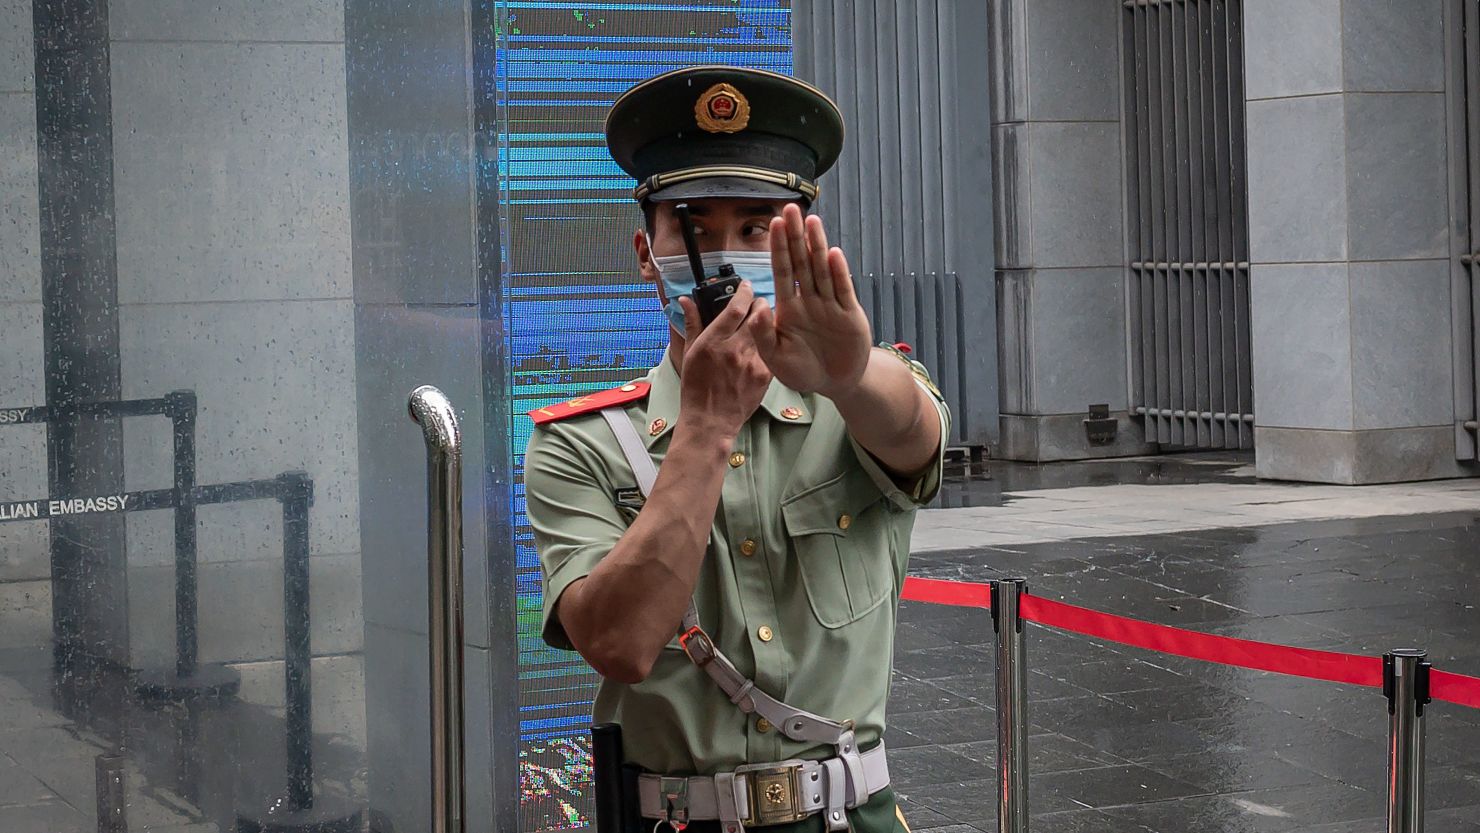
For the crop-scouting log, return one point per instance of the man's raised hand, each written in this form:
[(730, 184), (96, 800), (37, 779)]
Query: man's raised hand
[(818, 337)]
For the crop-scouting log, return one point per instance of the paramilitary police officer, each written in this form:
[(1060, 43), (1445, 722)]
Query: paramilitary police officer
[(725, 540)]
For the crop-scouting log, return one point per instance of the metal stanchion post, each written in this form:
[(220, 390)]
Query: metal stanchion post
[(434, 413), (112, 794), (182, 409), (1405, 681), (1012, 706), (301, 808), (190, 683), (296, 494)]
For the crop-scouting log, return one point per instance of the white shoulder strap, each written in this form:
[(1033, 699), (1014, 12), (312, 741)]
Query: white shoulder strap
[(633, 448), (797, 724)]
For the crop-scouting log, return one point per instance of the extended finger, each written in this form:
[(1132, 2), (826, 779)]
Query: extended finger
[(842, 278), (818, 256), (786, 287), (796, 243)]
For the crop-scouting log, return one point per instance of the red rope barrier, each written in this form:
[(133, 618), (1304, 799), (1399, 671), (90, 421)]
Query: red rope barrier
[(1224, 650), (942, 592), (1455, 688), (1337, 667)]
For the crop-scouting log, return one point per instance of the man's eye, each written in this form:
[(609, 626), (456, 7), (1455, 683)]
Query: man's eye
[(752, 230)]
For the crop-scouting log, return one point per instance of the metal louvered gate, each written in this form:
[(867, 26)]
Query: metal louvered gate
[(929, 312), (1463, 23), (1188, 241), (910, 200)]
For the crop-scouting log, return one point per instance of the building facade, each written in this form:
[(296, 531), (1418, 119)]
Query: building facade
[(1282, 257), (234, 237)]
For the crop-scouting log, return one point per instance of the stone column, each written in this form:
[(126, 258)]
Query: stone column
[(80, 324), (426, 311), (1349, 240), (233, 265), (25, 568), (1057, 164)]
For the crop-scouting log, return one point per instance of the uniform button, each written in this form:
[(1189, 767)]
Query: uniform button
[(657, 427), (791, 413), (747, 547), (765, 633), (845, 521), (628, 388), (737, 459), (763, 725)]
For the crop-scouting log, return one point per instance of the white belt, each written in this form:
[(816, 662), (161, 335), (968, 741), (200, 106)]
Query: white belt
[(763, 794)]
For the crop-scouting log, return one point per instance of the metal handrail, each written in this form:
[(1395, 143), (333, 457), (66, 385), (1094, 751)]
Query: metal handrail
[(434, 413)]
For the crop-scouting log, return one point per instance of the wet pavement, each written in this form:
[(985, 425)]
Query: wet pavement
[(1122, 740), (1128, 740), (969, 482), (192, 766)]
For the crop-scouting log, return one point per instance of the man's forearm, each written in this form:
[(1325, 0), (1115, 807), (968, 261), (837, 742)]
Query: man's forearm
[(890, 416), (622, 614)]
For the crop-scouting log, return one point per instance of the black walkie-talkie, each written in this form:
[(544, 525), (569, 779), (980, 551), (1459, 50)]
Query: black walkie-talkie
[(710, 294)]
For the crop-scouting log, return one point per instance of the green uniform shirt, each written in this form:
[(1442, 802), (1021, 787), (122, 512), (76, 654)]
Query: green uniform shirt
[(799, 585)]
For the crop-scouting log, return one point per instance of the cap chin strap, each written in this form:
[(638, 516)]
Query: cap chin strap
[(848, 787), (806, 187)]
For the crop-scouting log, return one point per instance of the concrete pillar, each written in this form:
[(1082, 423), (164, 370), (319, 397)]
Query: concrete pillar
[(1349, 240), (80, 323), (231, 193), (25, 569), (426, 270), (1057, 165), (233, 266)]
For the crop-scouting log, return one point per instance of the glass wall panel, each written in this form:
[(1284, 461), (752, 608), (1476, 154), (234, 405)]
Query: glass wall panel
[(233, 237), (579, 317), (181, 625)]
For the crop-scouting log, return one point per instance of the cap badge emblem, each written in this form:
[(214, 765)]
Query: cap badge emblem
[(722, 109)]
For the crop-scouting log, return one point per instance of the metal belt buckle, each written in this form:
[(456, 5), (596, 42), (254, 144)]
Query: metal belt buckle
[(775, 794), (702, 652), (675, 794)]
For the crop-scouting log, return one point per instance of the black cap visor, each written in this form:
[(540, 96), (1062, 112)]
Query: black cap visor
[(726, 187)]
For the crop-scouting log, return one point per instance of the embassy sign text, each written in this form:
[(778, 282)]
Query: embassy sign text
[(25, 510)]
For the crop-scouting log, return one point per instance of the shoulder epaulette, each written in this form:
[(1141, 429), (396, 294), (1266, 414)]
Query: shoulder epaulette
[(901, 351), (590, 403)]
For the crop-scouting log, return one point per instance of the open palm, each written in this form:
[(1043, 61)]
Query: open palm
[(820, 338)]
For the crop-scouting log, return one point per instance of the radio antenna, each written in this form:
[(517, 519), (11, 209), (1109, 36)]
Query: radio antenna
[(691, 245)]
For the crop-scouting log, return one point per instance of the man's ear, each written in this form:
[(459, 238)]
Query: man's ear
[(644, 257)]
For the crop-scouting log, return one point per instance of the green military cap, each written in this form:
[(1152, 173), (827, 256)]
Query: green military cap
[(721, 131)]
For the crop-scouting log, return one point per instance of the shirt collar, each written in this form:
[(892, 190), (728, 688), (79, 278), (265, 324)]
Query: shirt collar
[(781, 403)]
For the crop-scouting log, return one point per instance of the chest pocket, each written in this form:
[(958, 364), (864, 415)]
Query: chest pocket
[(840, 529)]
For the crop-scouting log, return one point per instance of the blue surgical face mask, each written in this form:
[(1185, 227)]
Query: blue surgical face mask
[(678, 278)]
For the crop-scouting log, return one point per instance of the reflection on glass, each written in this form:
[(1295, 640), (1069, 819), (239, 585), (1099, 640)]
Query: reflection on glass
[(201, 369), (579, 318), (180, 615)]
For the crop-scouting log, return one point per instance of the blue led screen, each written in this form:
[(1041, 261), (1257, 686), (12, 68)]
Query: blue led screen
[(578, 317)]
